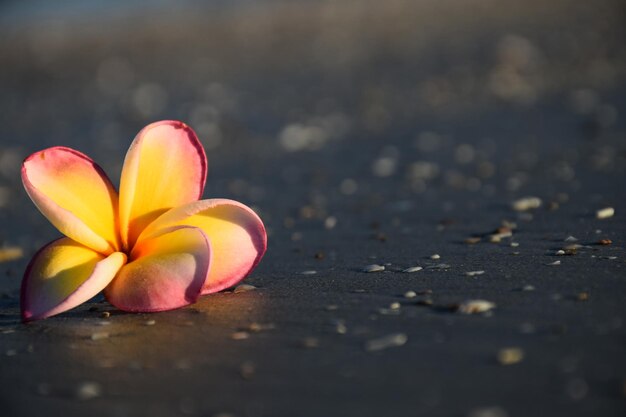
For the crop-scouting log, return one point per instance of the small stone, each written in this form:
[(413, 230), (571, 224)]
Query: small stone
[(474, 273), (150, 322), (105, 314), (88, 390), (510, 355), (582, 296), (247, 370), (340, 327), (258, 327), (10, 253), (528, 288), (373, 268), (570, 239), (526, 203), (555, 263), (514, 244), (412, 269), (308, 272), (560, 252), (244, 288), (472, 240), (330, 222), (475, 306), (435, 256), (240, 335), (605, 242), (394, 306), (410, 294), (310, 342), (332, 307), (439, 266), (99, 335), (389, 341), (605, 213)]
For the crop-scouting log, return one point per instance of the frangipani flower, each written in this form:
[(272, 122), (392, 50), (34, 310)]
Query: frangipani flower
[(154, 247)]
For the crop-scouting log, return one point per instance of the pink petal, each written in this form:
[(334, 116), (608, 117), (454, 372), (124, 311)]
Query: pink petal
[(165, 272), (64, 274), (237, 235), (75, 194), (164, 168)]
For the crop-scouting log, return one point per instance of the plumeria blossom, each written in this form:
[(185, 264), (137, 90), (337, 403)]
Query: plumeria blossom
[(153, 247)]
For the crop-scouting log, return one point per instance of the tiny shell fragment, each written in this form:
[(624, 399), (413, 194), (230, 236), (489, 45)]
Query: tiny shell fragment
[(373, 268), (244, 288), (412, 269), (385, 342), (510, 355), (605, 213), (526, 203), (475, 306)]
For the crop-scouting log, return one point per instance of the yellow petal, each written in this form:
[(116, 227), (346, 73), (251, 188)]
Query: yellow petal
[(237, 236), (164, 168), (64, 274), (75, 194)]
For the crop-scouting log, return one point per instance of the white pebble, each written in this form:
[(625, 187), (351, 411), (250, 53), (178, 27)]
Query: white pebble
[(389, 341), (605, 213), (526, 203), (373, 268), (474, 273), (412, 269), (435, 256), (475, 306)]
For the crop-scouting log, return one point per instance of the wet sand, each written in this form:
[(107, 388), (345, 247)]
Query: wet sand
[(363, 134)]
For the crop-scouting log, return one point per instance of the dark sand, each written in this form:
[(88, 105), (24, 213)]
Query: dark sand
[(362, 134)]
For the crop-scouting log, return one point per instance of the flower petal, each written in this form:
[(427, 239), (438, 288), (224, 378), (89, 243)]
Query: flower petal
[(237, 234), (75, 194), (166, 272), (164, 168), (64, 274)]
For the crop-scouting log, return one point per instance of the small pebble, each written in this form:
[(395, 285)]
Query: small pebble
[(88, 390), (332, 307), (386, 342), (474, 273), (560, 252), (555, 263), (526, 203), (410, 294), (605, 242), (582, 296), (150, 322), (475, 306), (528, 288), (412, 269), (510, 355), (472, 240), (99, 335), (605, 213), (394, 306), (514, 244), (435, 256), (570, 239), (105, 314), (240, 335), (244, 288), (310, 342), (308, 272), (373, 268)]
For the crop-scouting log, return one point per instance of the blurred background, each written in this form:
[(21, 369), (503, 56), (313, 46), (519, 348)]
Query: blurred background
[(344, 124)]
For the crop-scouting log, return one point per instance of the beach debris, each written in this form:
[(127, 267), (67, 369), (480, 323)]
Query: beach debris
[(474, 273), (528, 288), (526, 203), (88, 390), (240, 335), (310, 342), (99, 335), (150, 322), (412, 269), (410, 294), (244, 288), (435, 256), (386, 342), (605, 213), (10, 253), (258, 327), (560, 252), (308, 272), (500, 233), (605, 242), (439, 266), (472, 240), (570, 239), (373, 268), (475, 306), (510, 355), (555, 263)]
